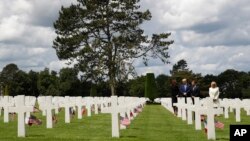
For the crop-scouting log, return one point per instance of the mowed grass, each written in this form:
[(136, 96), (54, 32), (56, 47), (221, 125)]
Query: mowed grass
[(154, 124)]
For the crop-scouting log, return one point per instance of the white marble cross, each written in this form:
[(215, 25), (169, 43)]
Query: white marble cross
[(123, 107), (210, 111), (189, 106), (20, 109), (7, 102), (88, 102), (79, 104), (30, 101), (225, 103), (237, 106), (67, 104), (167, 103), (116, 111), (48, 107), (96, 104), (41, 101), (246, 105), (56, 100), (197, 107), (115, 117), (181, 108)]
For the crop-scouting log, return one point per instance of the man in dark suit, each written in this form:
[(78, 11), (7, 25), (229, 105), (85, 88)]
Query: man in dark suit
[(195, 90), (185, 89)]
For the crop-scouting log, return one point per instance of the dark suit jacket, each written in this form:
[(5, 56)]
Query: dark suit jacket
[(195, 91), (174, 93), (183, 90)]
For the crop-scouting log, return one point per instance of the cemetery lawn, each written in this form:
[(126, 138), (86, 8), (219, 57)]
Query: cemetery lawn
[(154, 124)]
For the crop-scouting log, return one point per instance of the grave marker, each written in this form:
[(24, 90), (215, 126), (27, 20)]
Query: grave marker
[(7, 102), (115, 117), (20, 109), (67, 104), (79, 104), (210, 111), (48, 107)]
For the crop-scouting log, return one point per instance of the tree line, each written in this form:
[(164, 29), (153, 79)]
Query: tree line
[(13, 81)]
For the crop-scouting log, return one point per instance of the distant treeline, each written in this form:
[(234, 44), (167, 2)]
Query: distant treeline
[(14, 81)]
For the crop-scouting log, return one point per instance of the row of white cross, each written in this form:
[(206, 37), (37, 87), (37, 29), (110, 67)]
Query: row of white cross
[(237, 105), (24, 105), (206, 107), (124, 107)]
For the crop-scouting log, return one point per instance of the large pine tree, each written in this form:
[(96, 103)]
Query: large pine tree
[(103, 37)]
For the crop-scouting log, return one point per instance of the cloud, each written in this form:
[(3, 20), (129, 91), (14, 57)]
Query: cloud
[(44, 12), (213, 59), (27, 33), (211, 35), (204, 60), (10, 28), (183, 14), (35, 58), (57, 65), (202, 23)]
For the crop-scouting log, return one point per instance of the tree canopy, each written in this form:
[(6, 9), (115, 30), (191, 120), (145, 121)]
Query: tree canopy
[(180, 70), (103, 38)]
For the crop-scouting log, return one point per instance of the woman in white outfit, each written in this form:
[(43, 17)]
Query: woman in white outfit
[(214, 93)]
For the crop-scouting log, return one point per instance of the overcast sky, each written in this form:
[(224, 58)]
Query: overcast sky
[(211, 35)]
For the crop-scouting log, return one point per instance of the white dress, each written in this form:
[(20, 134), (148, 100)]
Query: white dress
[(214, 94)]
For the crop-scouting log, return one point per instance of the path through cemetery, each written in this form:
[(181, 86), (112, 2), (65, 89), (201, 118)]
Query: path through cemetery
[(156, 123)]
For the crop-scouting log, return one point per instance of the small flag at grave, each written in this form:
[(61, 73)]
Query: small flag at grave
[(131, 114), (219, 125), (125, 121), (83, 111)]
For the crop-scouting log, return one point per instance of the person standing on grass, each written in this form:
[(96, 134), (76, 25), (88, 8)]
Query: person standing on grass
[(214, 93), (195, 90), (174, 94), (185, 89)]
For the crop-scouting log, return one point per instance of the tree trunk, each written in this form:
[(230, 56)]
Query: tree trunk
[(112, 89), (112, 86), (112, 81)]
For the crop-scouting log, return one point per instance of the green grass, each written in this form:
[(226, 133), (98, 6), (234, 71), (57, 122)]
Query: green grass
[(154, 124)]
